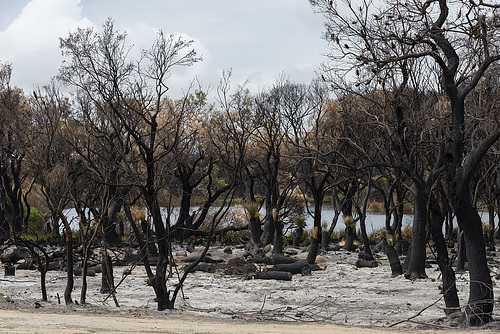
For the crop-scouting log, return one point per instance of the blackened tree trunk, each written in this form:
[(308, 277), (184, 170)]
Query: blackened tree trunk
[(142, 245), (297, 236), (349, 238), (278, 235), (491, 232), (462, 256), (313, 249), (160, 278), (267, 236), (448, 275), (417, 257), (394, 261), (110, 218), (480, 304), (325, 240), (69, 259), (368, 256), (107, 281), (254, 223), (350, 231), (11, 185)]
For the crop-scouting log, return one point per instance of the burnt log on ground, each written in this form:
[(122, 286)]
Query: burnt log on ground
[(79, 271), (26, 265), (235, 266), (246, 269), (333, 248), (259, 260), (207, 259), (276, 275), (281, 259), (236, 261), (205, 267), (298, 267), (366, 264)]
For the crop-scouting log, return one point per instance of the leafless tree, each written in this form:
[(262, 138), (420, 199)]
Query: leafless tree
[(130, 95), (460, 40)]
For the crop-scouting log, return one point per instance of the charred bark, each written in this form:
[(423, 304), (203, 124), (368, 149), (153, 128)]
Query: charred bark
[(276, 275), (313, 249), (448, 275), (297, 236), (394, 261), (417, 256)]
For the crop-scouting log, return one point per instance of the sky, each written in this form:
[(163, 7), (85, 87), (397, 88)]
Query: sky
[(259, 40)]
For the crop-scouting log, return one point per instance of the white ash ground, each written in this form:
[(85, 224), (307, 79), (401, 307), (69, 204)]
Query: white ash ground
[(341, 293)]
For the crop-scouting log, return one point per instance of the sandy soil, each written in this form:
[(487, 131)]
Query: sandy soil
[(339, 299)]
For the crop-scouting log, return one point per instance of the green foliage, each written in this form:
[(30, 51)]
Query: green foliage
[(36, 219), (252, 209), (350, 222), (377, 235), (486, 229), (288, 240), (300, 221)]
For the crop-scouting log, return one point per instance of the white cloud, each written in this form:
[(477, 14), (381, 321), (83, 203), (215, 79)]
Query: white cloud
[(31, 41), (258, 39)]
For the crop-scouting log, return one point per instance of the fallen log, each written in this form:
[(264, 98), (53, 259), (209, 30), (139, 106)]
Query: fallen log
[(298, 267), (281, 259), (366, 264), (276, 275), (204, 267)]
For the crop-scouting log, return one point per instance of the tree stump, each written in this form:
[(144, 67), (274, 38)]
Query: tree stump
[(10, 270), (107, 275), (396, 267)]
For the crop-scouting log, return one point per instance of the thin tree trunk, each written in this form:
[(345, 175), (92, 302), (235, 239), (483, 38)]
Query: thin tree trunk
[(140, 241), (417, 257), (313, 250), (448, 275)]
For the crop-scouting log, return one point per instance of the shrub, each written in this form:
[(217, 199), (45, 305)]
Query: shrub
[(350, 222), (36, 220), (406, 233), (486, 228)]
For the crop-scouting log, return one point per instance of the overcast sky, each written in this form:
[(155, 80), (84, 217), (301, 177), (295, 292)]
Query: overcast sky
[(258, 39)]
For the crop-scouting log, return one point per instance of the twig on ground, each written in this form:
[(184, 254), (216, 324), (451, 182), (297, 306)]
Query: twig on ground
[(416, 314)]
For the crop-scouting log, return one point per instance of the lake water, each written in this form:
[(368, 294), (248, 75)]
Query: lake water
[(374, 222)]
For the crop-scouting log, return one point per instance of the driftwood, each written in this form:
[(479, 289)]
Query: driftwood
[(276, 275)]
